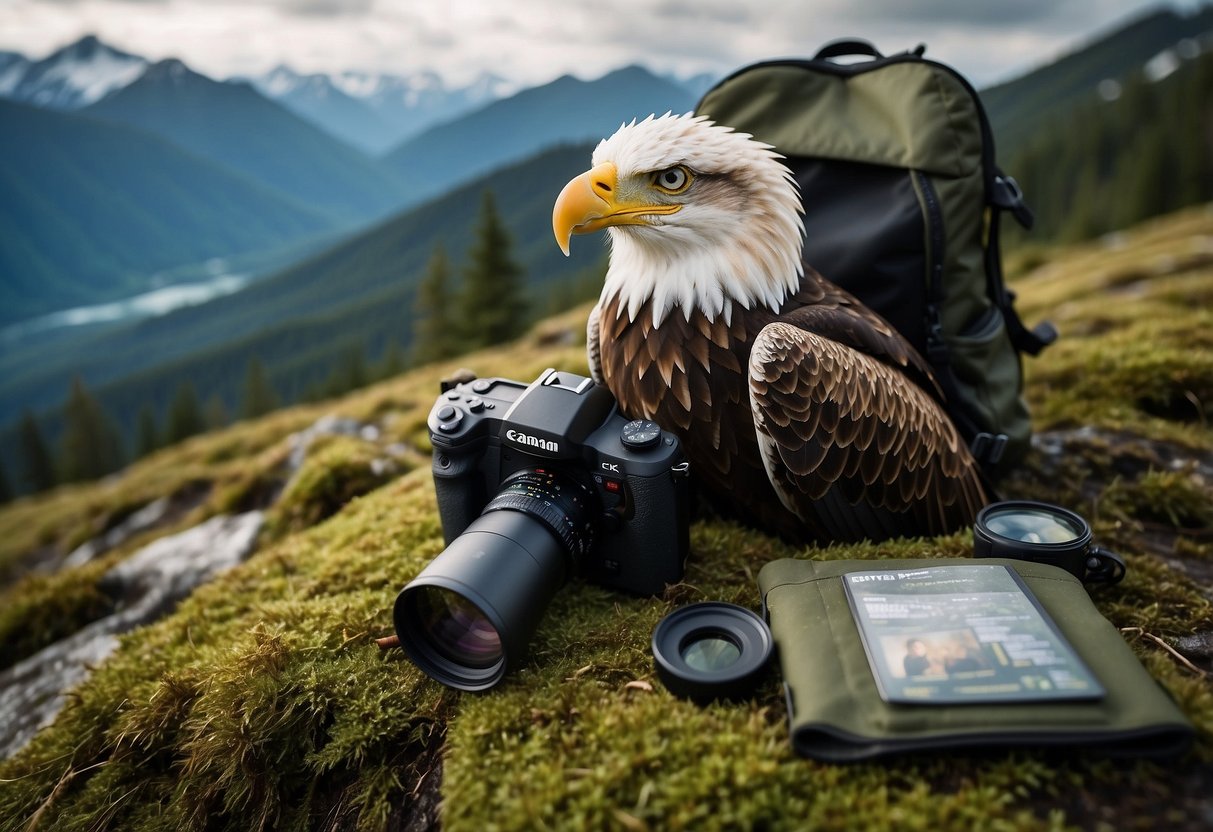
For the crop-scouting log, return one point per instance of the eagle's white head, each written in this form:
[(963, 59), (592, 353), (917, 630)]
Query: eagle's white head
[(699, 216)]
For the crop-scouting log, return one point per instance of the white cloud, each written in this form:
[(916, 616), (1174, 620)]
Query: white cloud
[(533, 41)]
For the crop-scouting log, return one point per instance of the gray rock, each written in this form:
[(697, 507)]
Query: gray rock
[(149, 584), (144, 518), (330, 425)]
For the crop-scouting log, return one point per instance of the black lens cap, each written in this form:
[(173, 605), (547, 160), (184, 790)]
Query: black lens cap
[(710, 651)]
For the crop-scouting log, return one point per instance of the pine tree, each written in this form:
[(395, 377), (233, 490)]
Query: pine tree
[(37, 467), (215, 412), (349, 374), (6, 490), (392, 363), (491, 305), (91, 447), (184, 414), (353, 372), (259, 396), (434, 334), (147, 435)]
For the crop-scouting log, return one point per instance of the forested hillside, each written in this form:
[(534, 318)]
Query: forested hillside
[(1108, 164), (1022, 107)]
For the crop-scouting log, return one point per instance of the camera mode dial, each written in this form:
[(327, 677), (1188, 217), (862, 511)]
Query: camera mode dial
[(449, 418), (639, 434)]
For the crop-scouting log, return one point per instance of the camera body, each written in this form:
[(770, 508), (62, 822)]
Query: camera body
[(630, 475)]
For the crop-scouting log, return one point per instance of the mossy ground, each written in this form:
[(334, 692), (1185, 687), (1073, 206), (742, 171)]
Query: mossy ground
[(263, 702)]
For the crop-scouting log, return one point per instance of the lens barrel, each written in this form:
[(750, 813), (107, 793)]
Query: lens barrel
[(468, 617)]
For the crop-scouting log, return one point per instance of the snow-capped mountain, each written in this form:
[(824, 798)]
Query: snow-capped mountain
[(72, 77), (316, 99), (400, 106), (12, 67)]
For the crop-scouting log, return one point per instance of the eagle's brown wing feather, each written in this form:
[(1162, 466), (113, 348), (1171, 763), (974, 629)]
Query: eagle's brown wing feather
[(832, 312), (851, 445)]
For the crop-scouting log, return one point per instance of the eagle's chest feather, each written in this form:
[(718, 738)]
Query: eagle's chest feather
[(689, 375)]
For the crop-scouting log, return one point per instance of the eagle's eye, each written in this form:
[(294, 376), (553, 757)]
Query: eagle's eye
[(673, 180)]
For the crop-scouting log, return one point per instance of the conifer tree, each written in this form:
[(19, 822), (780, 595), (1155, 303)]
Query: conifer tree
[(259, 397), (434, 334), (349, 374), (392, 363), (6, 490), (184, 414), (353, 370), (91, 447), (214, 415), (37, 467), (491, 306), (147, 435)]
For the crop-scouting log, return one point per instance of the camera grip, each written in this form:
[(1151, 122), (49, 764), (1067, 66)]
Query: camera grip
[(650, 550), (459, 487)]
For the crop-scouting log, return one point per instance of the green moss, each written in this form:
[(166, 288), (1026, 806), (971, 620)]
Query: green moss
[(1175, 498), (255, 704), (41, 609), (337, 469)]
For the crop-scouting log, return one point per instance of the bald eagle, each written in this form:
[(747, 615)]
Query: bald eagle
[(798, 406)]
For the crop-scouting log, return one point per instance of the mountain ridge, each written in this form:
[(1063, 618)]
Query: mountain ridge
[(496, 134), (235, 125), (74, 75)]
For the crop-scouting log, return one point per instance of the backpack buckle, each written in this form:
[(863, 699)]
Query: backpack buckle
[(1006, 195), (988, 448)]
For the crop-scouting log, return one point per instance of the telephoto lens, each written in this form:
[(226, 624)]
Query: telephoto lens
[(467, 618)]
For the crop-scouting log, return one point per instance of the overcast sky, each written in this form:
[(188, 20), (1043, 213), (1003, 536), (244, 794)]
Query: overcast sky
[(533, 41)]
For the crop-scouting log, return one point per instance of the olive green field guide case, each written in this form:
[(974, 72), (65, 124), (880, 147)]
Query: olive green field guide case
[(836, 712)]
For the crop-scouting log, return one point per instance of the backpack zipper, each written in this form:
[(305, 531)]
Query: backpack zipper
[(937, 348)]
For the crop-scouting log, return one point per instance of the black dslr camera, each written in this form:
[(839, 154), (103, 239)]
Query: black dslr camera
[(537, 482)]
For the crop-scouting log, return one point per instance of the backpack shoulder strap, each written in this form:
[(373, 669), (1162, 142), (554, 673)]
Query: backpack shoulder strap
[(1005, 195)]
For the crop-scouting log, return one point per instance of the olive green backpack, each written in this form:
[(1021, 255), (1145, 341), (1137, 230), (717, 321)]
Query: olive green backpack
[(895, 162)]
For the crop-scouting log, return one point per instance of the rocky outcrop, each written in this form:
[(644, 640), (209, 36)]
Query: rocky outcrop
[(147, 585)]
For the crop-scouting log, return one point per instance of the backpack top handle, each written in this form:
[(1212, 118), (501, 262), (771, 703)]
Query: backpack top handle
[(847, 47)]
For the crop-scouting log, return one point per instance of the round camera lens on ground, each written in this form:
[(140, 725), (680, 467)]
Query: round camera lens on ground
[(711, 651)]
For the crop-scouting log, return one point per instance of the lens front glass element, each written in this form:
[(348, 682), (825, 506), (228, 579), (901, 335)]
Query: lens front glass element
[(1032, 526), (456, 628), (709, 651)]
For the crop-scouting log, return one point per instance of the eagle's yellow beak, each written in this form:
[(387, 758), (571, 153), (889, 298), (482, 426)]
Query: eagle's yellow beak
[(592, 201)]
